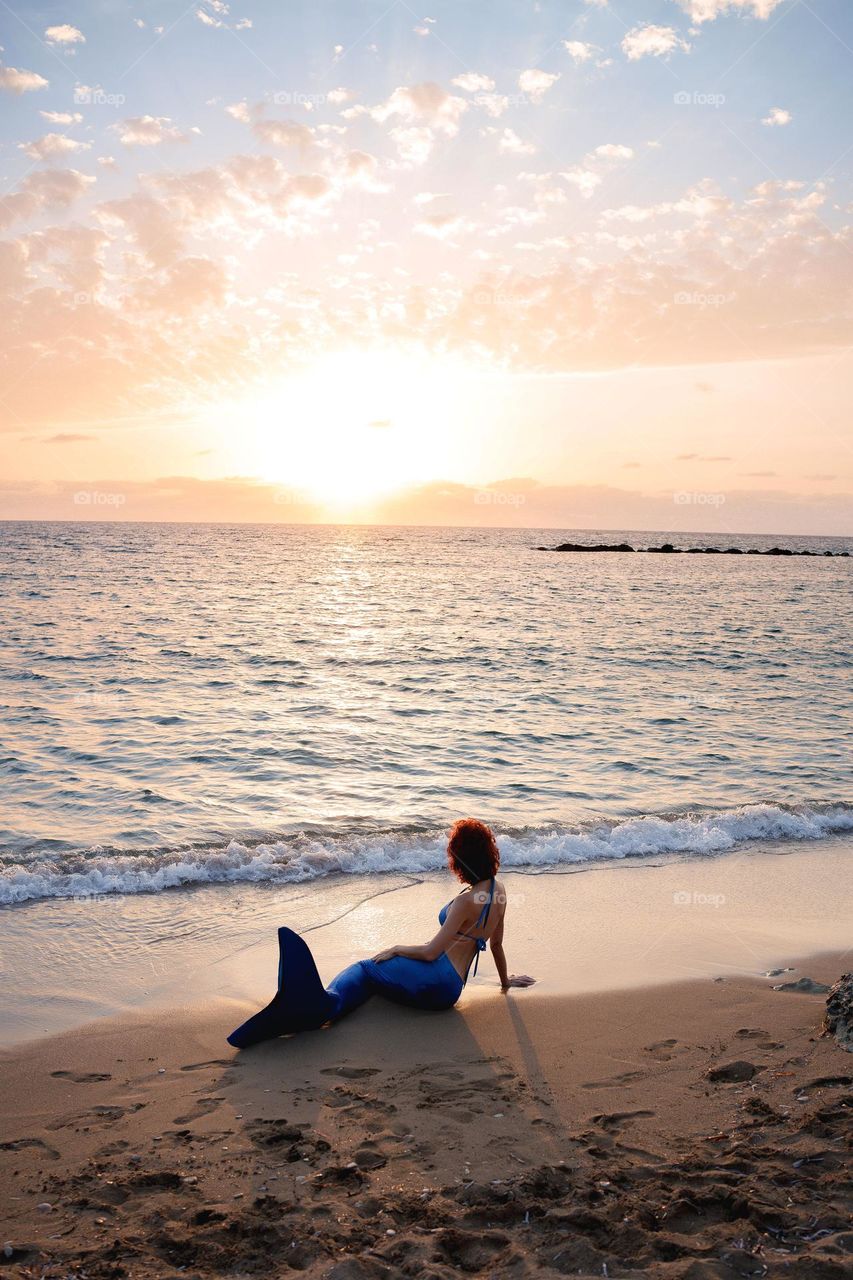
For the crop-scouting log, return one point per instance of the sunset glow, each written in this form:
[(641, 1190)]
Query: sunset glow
[(381, 261), (354, 426)]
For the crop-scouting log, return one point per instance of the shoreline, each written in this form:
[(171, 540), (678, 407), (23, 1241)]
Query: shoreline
[(592, 929), (567, 1134)]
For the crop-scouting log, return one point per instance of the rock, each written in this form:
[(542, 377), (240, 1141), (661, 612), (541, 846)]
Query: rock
[(668, 549), (733, 1071), (806, 986), (604, 546), (839, 1012)]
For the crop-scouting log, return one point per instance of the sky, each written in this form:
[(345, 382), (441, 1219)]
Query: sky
[(567, 263)]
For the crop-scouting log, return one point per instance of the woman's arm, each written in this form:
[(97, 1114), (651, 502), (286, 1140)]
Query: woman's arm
[(458, 914), (507, 979)]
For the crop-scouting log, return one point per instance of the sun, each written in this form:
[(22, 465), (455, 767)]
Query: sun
[(353, 427)]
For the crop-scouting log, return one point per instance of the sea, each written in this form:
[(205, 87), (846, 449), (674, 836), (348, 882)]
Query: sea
[(202, 704)]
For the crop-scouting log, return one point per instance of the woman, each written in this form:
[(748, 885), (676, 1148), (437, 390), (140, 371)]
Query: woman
[(428, 977)]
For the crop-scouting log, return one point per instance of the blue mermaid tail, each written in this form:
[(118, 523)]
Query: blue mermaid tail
[(302, 1004)]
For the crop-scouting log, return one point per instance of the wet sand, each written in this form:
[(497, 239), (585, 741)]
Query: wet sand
[(526, 1135), (594, 928)]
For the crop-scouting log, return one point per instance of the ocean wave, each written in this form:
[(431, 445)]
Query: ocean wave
[(312, 856)]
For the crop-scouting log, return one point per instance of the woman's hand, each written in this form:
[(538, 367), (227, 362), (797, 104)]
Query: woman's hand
[(388, 954), (518, 980)]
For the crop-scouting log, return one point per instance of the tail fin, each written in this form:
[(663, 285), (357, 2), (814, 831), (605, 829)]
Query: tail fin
[(301, 1003)]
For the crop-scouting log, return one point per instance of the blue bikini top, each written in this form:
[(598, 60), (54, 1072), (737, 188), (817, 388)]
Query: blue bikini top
[(482, 918)]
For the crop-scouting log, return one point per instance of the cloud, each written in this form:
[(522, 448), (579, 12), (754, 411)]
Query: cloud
[(187, 286), (147, 131), (443, 226), (536, 83), (708, 10), (61, 117), (52, 144), (579, 50), (62, 437), (523, 503), (777, 116), (52, 189), (283, 133), (15, 80), (426, 102), (171, 498), (763, 278), (510, 143), (240, 111), (340, 96), (652, 41), (64, 34), (474, 82), (589, 175), (361, 168), (512, 501)]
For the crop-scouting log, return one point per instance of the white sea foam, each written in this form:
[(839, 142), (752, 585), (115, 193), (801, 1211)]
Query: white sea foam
[(307, 858)]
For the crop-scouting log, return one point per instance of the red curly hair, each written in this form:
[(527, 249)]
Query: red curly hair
[(472, 852)]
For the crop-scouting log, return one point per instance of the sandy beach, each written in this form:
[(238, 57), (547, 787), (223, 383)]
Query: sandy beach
[(668, 1120)]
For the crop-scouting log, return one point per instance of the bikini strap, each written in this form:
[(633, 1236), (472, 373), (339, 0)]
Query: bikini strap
[(482, 920), (483, 917)]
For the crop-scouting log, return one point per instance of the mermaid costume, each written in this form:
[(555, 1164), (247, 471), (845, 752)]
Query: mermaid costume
[(302, 1003)]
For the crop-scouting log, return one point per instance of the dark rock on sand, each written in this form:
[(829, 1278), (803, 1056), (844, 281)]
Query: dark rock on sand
[(733, 1071), (805, 986), (839, 1012)]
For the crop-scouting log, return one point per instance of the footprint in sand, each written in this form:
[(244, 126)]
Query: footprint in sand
[(203, 1107), (214, 1062), (91, 1077), (350, 1073), (617, 1120), (627, 1077), (103, 1115), (662, 1050), (825, 1082), (751, 1033), (19, 1144)]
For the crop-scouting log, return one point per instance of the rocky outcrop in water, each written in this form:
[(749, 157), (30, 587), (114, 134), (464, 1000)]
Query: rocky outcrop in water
[(669, 549)]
